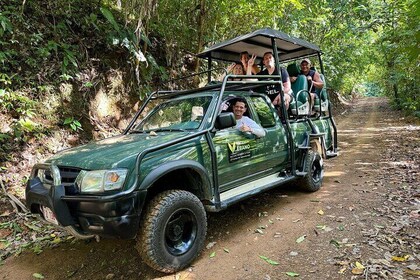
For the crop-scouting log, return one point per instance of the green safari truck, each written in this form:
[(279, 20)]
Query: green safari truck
[(181, 156)]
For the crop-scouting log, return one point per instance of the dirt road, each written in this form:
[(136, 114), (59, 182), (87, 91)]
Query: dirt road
[(362, 224)]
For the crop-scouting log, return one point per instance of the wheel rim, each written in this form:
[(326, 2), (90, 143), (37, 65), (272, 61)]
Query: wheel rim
[(180, 231), (317, 170)]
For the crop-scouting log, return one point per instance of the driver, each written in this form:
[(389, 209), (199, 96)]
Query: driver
[(243, 123)]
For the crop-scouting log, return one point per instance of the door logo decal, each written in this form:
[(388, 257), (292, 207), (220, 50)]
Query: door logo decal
[(239, 150)]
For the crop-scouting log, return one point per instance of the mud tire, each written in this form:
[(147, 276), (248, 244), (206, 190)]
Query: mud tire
[(314, 167), (172, 231)]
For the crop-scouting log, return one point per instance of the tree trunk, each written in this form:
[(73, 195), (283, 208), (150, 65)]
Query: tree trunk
[(200, 42)]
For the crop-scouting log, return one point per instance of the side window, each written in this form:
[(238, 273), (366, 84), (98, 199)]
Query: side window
[(227, 105), (263, 111)]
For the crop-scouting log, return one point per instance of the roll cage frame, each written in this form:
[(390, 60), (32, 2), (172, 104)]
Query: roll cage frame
[(258, 42)]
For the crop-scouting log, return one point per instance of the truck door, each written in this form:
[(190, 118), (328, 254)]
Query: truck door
[(243, 157)]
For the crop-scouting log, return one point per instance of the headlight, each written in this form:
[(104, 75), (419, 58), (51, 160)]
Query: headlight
[(101, 180)]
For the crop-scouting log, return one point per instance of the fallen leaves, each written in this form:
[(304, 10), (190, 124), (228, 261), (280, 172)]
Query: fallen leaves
[(400, 259), (270, 261), (292, 274), (301, 239), (358, 269), (38, 276), (23, 232)]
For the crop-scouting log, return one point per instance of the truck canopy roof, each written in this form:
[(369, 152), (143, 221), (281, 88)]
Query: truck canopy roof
[(259, 42)]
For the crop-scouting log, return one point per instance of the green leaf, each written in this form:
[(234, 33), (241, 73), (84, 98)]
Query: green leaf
[(269, 260), (108, 15), (300, 239), (38, 276), (4, 136), (335, 243), (213, 254), (37, 250), (68, 120), (32, 227), (292, 274), (77, 124)]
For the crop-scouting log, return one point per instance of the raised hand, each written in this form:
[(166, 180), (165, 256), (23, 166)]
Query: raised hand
[(252, 60), (245, 128), (230, 67)]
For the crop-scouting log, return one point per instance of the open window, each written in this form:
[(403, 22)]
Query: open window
[(229, 102)]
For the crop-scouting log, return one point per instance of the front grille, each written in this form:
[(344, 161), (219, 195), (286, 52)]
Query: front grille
[(68, 177)]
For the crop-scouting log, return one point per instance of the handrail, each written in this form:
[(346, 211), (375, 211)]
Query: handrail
[(297, 98), (194, 74)]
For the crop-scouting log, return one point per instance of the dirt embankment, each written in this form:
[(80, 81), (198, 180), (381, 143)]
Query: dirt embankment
[(362, 224)]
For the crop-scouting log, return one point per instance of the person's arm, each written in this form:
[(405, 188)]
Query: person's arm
[(287, 86), (317, 82), (251, 126), (244, 64), (228, 71), (249, 69)]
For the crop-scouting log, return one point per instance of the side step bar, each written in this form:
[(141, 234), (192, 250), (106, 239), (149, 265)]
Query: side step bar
[(237, 194)]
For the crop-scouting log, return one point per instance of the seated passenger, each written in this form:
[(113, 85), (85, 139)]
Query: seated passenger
[(244, 123), (314, 80), (235, 68), (253, 69), (273, 91)]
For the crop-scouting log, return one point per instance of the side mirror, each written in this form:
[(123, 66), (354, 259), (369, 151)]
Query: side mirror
[(225, 120)]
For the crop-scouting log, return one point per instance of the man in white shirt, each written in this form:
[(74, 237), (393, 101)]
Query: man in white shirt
[(244, 123)]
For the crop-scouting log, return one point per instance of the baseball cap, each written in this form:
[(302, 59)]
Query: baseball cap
[(306, 60)]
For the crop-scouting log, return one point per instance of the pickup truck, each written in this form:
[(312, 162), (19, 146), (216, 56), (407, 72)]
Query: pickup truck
[(181, 156)]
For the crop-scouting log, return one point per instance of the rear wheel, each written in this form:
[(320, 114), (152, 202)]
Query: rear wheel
[(173, 231), (314, 168)]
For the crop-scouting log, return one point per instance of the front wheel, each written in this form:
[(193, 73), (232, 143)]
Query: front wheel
[(314, 168), (173, 231)]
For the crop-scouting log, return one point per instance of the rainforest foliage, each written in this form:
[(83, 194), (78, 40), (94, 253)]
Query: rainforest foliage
[(57, 57)]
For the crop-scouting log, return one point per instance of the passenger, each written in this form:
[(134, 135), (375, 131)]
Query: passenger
[(243, 123), (314, 80), (273, 91), (235, 68), (244, 60)]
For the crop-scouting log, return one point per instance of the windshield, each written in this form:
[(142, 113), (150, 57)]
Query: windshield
[(174, 115)]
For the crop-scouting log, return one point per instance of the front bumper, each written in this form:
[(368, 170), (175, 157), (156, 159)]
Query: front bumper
[(116, 215)]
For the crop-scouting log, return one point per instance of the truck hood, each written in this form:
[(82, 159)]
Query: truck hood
[(119, 151)]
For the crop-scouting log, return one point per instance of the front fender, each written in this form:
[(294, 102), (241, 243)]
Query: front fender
[(166, 168)]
